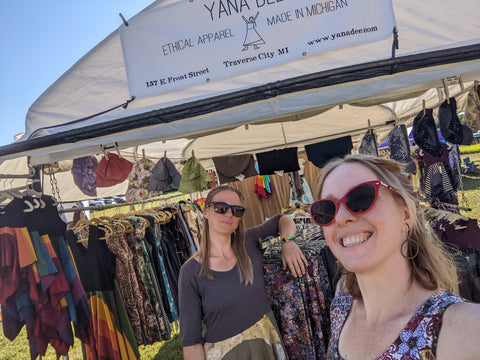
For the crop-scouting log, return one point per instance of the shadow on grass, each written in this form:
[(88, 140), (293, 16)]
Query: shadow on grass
[(471, 181), (170, 350)]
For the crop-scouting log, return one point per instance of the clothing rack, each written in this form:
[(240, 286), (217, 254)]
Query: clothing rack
[(16, 176), (33, 180), (110, 206), (447, 206)]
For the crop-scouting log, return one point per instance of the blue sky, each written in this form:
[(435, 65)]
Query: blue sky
[(40, 40)]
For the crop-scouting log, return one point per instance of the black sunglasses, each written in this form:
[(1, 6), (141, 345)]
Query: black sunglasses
[(358, 200), (221, 208)]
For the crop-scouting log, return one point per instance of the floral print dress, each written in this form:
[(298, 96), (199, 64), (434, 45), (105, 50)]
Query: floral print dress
[(418, 340)]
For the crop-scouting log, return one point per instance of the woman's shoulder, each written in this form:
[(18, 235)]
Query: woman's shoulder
[(460, 333), (191, 265), (462, 314)]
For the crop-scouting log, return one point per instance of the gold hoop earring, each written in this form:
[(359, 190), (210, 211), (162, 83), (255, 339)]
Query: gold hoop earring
[(409, 249)]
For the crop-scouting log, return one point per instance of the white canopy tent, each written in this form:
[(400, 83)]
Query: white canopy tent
[(302, 101)]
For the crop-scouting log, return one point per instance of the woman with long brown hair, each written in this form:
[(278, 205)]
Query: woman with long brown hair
[(221, 286), (396, 299)]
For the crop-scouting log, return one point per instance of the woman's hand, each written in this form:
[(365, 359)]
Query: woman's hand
[(193, 352), (294, 258), (291, 253)]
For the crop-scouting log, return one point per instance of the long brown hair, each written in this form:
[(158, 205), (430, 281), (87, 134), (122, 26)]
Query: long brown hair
[(433, 267), (245, 267)]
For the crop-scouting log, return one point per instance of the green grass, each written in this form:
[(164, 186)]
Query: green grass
[(469, 196), (470, 149), (171, 350), (18, 349)]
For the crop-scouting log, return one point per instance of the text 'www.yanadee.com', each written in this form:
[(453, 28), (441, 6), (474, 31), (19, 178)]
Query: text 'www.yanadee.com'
[(341, 34)]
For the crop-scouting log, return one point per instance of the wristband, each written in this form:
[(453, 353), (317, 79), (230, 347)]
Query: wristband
[(283, 240)]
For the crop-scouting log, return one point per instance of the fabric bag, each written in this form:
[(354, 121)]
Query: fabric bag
[(400, 148), (425, 133), (472, 109), (369, 146), (452, 129)]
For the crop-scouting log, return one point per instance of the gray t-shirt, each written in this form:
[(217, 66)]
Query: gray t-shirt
[(226, 306)]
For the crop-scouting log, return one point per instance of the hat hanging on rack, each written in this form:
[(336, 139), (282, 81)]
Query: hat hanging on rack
[(84, 174), (112, 169), (165, 176)]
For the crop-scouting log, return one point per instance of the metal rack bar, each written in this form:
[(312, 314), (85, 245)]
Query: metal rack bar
[(110, 206)]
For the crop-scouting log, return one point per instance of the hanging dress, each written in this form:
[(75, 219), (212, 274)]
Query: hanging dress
[(113, 333), (39, 299)]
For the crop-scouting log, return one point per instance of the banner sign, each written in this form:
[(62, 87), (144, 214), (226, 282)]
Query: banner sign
[(188, 43)]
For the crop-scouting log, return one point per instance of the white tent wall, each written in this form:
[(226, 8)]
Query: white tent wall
[(290, 104)]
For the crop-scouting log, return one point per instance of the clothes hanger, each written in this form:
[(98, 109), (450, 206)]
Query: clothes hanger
[(128, 226), (80, 224), (397, 120), (118, 227), (5, 195), (117, 150), (445, 88), (104, 151), (107, 229)]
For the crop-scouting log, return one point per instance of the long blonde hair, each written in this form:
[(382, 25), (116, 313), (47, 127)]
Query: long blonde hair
[(433, 267), (245, 267)]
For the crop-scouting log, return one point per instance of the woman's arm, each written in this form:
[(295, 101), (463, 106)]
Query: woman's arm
[(460, 333), (193, 352), (292, 256), (190, 310)]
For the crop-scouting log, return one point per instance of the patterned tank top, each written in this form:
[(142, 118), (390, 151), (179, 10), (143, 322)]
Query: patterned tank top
[(418, 340)]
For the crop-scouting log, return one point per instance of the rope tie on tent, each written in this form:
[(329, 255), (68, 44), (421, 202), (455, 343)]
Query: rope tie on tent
[(124, 105), (395, 41), (284, 136)]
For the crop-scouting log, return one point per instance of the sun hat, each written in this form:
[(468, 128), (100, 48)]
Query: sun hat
[(112, 169), (194, 177), (138, 181), (165, 176), (84, 176)]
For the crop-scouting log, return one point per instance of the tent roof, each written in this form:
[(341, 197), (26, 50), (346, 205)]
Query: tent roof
[(290, 104)]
